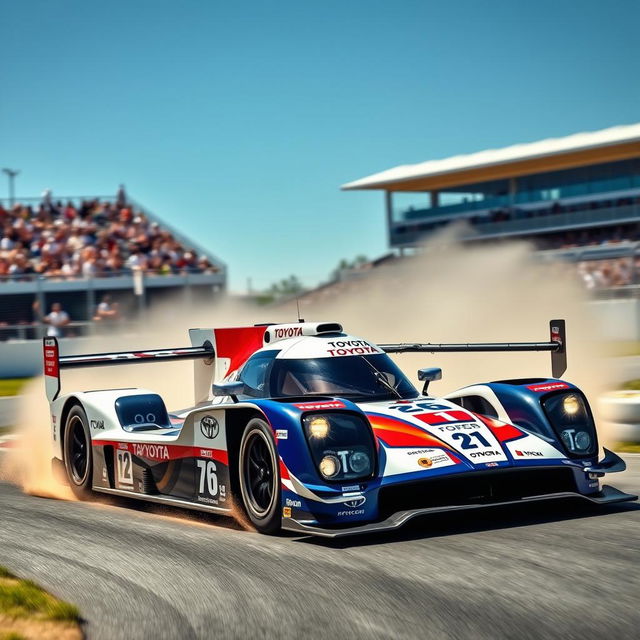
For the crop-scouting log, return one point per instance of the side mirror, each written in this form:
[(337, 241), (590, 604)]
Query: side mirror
[(428, 375), (232, 389)]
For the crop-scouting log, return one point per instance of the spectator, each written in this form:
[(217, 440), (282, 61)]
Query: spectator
[(56, 319), (88, 239), (107, 311)]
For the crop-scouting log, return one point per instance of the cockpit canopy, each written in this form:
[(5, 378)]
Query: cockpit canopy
[(355, 377)]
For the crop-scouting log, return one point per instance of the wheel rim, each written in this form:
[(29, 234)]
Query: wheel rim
[(258, 473), (78, 454)]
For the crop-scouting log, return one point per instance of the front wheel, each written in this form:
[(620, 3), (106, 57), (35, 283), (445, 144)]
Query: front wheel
[(260, 476), (78, 459)]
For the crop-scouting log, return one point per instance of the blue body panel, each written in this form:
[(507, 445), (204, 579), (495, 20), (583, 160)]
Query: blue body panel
[(309, 499)]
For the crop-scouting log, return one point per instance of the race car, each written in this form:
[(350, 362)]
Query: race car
[(303, 427)]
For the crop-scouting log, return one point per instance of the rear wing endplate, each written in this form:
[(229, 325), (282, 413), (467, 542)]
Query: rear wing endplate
[(557, 345), (53, 363)]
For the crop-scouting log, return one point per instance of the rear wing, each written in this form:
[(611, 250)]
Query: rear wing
[(53, 363), (216, 353), (557, 345)]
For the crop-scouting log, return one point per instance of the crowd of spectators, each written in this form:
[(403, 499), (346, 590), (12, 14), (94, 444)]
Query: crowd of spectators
[(557, 240), (92, 238), (554, 208), (604, 274)]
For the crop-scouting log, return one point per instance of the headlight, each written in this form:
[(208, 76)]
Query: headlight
[(571, 419), (341, 444), (318, 427), (329, 466), (571, 405), (142, 412), (360, 462)]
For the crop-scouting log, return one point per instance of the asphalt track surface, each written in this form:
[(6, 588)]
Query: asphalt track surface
[(546, 571)]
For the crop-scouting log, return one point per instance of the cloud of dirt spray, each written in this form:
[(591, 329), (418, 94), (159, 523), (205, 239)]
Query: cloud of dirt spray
[(28, 463)]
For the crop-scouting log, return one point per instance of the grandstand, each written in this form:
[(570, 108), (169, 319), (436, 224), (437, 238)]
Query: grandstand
[(79, 251), (577, 198)]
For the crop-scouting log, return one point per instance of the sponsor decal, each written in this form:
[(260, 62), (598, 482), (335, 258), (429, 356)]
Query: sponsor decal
[(282, 434), (287, 332), (314, 406), (429, 456), (123, 445), (209, 427), (97, 424), (351, 512), (51, 359), (466, 426), (351, 347), (537, 454), (355, 503), (491, 464), (206, 453), (483, 454), (293, 503), (286, 512), (151, 451), (353, 487), (549, 386)]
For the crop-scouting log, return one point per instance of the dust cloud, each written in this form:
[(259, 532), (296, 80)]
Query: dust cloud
[(28, 463)]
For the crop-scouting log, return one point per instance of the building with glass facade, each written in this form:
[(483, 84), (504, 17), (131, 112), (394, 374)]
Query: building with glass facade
[(579, 190)]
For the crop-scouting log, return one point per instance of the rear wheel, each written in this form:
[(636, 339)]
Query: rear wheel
[(260, 477), (78, 459)]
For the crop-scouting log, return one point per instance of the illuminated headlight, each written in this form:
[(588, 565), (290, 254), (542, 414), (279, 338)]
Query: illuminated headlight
[(318, 427), (341, 444), (329, 466), (571, 405), (571, 419)]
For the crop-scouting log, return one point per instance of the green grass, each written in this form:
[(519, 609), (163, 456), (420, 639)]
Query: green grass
[(632, 385), (12, 635), (628, 447), (25, 599), (12, 386)]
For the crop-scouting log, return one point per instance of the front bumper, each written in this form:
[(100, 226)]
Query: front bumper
[(607, 495)]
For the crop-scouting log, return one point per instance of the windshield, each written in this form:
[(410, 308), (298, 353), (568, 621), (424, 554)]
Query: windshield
[(350, 376)]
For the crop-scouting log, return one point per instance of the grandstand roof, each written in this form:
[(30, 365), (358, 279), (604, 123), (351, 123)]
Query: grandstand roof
[(580, 149)]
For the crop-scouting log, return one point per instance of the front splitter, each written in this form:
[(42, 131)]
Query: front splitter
[(607, 495)]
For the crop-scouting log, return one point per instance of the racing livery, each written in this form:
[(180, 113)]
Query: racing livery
[(304, 427)]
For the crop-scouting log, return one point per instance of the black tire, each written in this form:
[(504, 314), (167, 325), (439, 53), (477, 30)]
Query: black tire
[(259, 477), (78, 458)]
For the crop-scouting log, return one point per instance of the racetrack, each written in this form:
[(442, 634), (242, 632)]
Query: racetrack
[(544, 571)]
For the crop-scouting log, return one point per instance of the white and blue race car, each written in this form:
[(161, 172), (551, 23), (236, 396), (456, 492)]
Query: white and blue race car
[(306, 428)]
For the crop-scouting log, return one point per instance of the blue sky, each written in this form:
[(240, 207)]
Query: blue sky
[(237, 122)]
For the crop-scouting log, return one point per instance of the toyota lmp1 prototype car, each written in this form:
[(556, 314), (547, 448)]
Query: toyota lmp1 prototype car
[(306, 428)]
